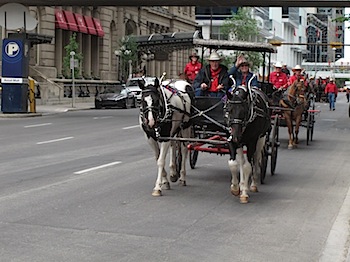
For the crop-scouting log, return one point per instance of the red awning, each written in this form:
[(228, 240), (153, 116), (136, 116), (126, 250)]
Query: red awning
[(90, 25), (60, 20), (81, 23), (72, 24), (98, 27)]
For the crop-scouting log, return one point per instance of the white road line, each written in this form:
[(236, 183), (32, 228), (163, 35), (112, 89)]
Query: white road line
[(130, 127), (44, 124), (102, 117), (54, 140), (96, 167)]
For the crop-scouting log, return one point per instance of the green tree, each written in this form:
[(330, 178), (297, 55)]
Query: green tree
[(128, 52), (72, 46), (243, 27)]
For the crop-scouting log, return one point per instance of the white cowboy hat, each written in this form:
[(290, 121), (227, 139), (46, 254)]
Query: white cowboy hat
[(214, 57), (297, 67), (331, 79), (278, 64)]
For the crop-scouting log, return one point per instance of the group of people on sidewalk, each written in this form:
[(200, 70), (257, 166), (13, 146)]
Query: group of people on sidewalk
[(213, 79)]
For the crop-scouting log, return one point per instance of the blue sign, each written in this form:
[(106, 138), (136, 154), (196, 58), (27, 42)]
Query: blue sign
[(12, 56)]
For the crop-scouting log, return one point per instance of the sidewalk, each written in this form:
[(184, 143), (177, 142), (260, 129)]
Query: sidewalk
[(50, 109)]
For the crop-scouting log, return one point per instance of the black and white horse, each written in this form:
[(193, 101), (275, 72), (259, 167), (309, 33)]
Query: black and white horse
[(248, 118), (165, 112)]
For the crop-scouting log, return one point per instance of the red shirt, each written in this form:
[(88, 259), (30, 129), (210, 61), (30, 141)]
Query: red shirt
[(293, 78), (279, 79), (191, 70), (331, 88)]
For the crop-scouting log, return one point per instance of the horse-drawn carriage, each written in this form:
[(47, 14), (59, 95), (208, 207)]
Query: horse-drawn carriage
[(236, 125)]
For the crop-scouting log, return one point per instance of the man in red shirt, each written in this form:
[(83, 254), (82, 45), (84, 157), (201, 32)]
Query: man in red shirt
[(277, 78), (332, 92), (192, 68)]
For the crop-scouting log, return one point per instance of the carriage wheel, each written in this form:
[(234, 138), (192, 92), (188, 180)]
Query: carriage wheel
[(193, 158), (349, 110), (274, 145), (263, 167), (310, 127)]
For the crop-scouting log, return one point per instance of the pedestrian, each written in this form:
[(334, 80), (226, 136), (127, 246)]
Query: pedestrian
[(192, 68), (331, 91), (241, 73), (277, 78), (212, 80)]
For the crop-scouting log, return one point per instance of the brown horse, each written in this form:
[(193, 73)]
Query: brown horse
[(294, 100)]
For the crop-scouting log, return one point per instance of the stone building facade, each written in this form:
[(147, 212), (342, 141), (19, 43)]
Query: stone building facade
[(100, 63)]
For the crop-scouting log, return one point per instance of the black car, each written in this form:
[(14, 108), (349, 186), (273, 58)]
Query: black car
[(115, 96)]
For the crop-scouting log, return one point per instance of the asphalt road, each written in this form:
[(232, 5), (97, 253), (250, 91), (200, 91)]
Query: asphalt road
[(76, 186)]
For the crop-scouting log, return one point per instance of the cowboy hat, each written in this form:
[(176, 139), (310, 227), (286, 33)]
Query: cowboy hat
[(297, 67), (214, 57), (331, 79), (278, 64), (194, 55)]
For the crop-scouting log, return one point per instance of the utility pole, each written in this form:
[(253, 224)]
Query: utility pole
[(72, 66)]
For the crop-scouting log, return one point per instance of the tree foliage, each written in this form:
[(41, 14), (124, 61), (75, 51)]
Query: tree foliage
[(128, 52), (243, 27), (72, 46)]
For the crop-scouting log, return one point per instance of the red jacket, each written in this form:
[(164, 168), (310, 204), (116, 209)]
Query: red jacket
[(293, 78), (191, 70), (331, 88), (279, 79)]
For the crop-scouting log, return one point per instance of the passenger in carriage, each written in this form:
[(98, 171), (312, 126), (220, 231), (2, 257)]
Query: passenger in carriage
[(192, 68), (285, 70), (212, 80), (278, 79), (241, 73)]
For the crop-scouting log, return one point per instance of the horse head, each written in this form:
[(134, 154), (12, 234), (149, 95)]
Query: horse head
[(295, 95), (237, 111), (151, 103)]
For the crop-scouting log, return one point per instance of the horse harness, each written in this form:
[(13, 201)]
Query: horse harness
[(164, 111)]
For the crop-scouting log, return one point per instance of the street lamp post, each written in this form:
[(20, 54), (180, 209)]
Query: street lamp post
[(117, 54), (72, 66), (333, 68)]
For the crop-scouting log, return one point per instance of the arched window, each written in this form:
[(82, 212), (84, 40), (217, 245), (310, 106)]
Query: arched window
[(130, 28)]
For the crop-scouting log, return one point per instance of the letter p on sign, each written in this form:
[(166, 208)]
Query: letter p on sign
[(12, 49)]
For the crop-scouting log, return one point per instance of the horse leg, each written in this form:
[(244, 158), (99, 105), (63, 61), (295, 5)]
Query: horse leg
[(289, 122), (184, 152), (172, 166), (257, 162), (161, 177), (245, 173), (297, 125), (233, 165), (155, 147)]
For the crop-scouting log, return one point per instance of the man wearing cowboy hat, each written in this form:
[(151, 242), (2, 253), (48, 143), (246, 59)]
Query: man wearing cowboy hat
[(240, 72), (285, 69), (278, 79), (297, 75), (212, 80), (331, 91), (192, 68)]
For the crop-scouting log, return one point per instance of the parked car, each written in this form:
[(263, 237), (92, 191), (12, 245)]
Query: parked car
[(132, 84), (115, 96)]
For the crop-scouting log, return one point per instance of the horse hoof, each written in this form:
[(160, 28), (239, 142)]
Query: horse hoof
[(174, 178), (254, 189), (157, 193), (183, 183), (235, 192), (244, 199), (166, 186), (290, 146)]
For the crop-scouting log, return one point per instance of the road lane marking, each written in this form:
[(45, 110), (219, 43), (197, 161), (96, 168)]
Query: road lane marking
[(130, 127), (96, 167), (38, 125), (102, 117), (55, 140)]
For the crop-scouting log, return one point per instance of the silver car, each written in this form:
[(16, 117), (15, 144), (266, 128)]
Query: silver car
[(133, 86)]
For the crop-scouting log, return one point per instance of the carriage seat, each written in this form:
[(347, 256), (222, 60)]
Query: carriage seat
[(216, 112)]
